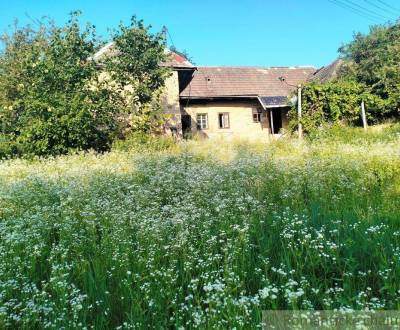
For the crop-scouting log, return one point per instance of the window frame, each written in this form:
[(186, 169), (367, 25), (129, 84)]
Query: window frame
[(257, 114), (199, 127), (224, 115)]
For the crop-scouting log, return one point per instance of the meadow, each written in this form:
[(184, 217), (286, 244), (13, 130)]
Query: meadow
[(201, 235)]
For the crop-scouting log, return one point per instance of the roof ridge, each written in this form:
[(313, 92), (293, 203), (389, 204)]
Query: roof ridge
[(255, 67)]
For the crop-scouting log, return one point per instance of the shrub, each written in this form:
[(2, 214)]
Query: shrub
[(334, 103), (144, 142), (48, 103), (54, 98), (352, 135)]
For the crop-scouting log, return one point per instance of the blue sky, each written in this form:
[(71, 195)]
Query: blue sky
[(227, 32)]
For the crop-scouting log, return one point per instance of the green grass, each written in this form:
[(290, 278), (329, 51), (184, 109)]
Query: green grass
[(203, 235)]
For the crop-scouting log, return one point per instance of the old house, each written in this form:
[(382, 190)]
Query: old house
[(227, 102), (245, 102)]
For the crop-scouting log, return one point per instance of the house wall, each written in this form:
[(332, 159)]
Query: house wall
[(169, 101), (240, 118), (171, 106)]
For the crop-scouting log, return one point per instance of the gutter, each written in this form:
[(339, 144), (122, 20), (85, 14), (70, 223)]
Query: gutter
[(265, 107)]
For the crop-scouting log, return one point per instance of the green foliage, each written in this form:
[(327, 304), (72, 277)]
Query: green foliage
[(374, 61), (370, 72), (144, 142), (333, 103), (135, 71), (168, 241), (48, 105), (356, 135), (54, 99)]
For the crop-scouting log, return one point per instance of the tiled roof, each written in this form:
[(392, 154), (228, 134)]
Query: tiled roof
[(327, 73), (174, 60), (245, 81), (177, 61)]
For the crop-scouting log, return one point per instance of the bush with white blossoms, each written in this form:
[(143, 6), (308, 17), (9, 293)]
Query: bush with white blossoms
[(187, 240)]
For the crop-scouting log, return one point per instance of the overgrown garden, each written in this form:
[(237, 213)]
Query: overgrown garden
[(200, 236), (55, 98), (369, 72)]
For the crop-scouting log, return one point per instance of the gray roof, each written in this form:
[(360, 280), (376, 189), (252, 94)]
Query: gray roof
[(274, 101), (327, 73)]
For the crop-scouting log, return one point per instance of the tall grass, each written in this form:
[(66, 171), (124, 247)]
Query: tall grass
[(188, 239)]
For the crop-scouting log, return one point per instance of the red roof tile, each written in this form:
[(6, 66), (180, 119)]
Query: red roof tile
[(245, 81)]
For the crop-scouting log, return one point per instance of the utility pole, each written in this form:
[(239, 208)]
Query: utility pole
[(283, 80), (272, 123), (363, 115), (299, 111)]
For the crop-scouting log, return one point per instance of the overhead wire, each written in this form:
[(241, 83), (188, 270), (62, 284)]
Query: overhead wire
[(364, 9), (389, 6), (386, 10), (166, 31), (355, 10)]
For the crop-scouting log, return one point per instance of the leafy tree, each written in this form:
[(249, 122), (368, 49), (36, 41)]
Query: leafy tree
[(370, 73), (133, 66), (333, 103), (48, 105), (373, 60), (53, 95)]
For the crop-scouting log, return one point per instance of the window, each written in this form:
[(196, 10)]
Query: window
[(202, 121), (223, 120), (257, 116), (186, 122)]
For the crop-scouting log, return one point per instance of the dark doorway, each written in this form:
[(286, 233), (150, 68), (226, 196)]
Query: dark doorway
[(186, 123), (277, 118)]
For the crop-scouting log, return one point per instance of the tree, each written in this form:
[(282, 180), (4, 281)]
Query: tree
[(332, 103), (134, 66), (53, 95), (370, 72), (48, 105), (373, 60)]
